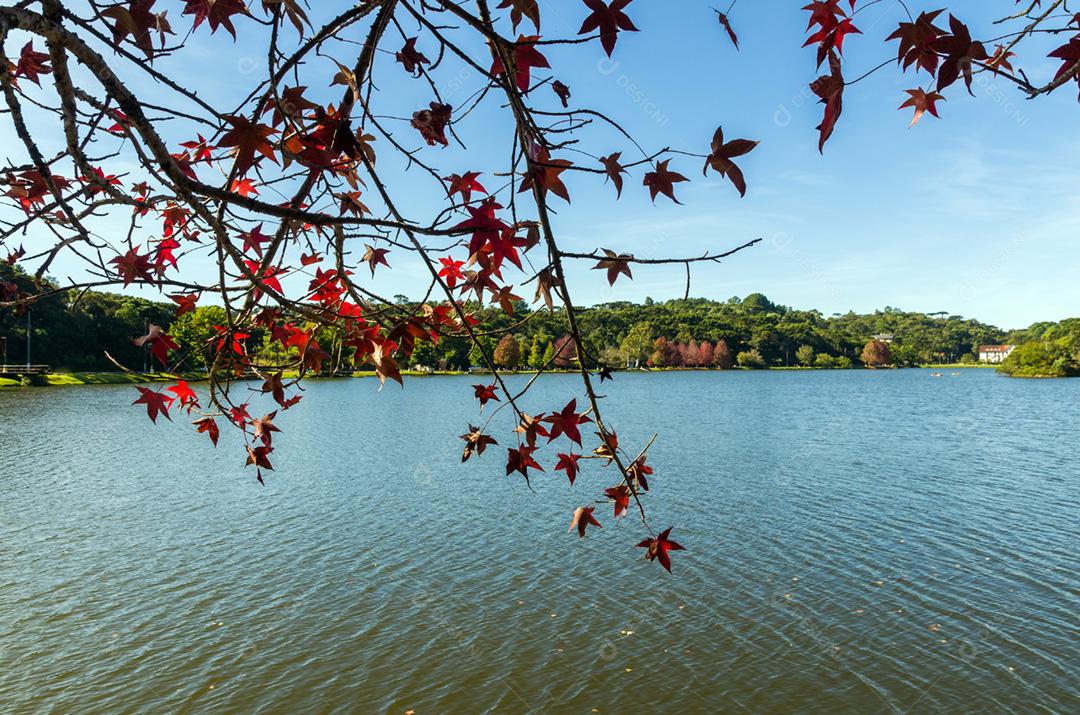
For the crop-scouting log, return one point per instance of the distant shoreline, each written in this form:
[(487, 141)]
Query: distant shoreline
[(62, 379)]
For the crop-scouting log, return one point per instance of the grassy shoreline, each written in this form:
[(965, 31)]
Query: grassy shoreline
[(61, 379)]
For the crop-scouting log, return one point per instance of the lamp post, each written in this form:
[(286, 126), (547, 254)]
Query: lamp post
[(28, 328)]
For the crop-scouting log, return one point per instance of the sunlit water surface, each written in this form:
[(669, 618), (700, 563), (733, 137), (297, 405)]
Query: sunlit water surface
[(856, 542)]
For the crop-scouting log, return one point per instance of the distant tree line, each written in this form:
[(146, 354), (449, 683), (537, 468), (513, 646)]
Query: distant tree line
[(82, 330), (1045, 350)]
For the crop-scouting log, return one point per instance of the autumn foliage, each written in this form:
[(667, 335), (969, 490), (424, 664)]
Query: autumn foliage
[(289, 196)]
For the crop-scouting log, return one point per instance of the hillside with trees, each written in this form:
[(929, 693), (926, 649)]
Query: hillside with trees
[(1045, 350), (79, 330)]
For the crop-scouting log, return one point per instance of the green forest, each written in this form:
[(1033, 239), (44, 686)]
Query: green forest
[(81, 331)]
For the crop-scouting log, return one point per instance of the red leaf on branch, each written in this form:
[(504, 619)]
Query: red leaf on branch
[(219, 13), (432, 123), (659, 547), (185, 394), (253, 240), (609, 20), (917, 40), (208, 426), (248, 139), (160, 343), (132, 266), (621, 496), (922, 102), (32, 64), (725, 22), (521, 460), (184, 303), (157, 403), (412, 59), (1070, 54), (544, 174), (721, 158), (374, 256), (485, 393), (615, 265), (465, 184), (961, 52), (137, 20), (566, 423), (569, 463), (830, 90), (475, 442), (614, 171), (451, 271), (583, 518), (662, 181), (522, 8), (525, 57)]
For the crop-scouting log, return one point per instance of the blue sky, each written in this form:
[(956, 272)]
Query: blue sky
[(976, 213)]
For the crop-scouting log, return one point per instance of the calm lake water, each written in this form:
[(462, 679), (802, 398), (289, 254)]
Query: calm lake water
[(864, 542)]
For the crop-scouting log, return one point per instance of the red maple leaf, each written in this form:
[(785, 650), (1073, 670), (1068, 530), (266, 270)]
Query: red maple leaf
[(32, 64), (486, 227), (638, 471), (208, 426), (244, 187), (184, 303), (451, 271), (609, 19), (137, 20), (248, 139), (621, 496), (157, 403), (133, 265), (259, 456), (544, 173), (569, 464), (521, 460), (185, 394), (432, 123), (662, 181), (219, 13), (615, 265), (659, 547), (465, 184), (522, 8), (566, 422), (253, 240), (721, 158), (486, 393), (263, 428), (614, 171), (922, 102), (525, 57), (917, 40), (374, 256), (475, 442), (202, 149), (1070, 54), (583, 518), (160, 343), (411, 58), (830, 90)]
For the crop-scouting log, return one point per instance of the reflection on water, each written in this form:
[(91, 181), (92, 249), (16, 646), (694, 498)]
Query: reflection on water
[(857, 542)]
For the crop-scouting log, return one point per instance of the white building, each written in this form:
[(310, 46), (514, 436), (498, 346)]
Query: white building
[(995, 354)]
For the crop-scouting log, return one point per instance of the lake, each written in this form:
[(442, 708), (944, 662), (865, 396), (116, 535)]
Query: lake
[(857, 541)]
